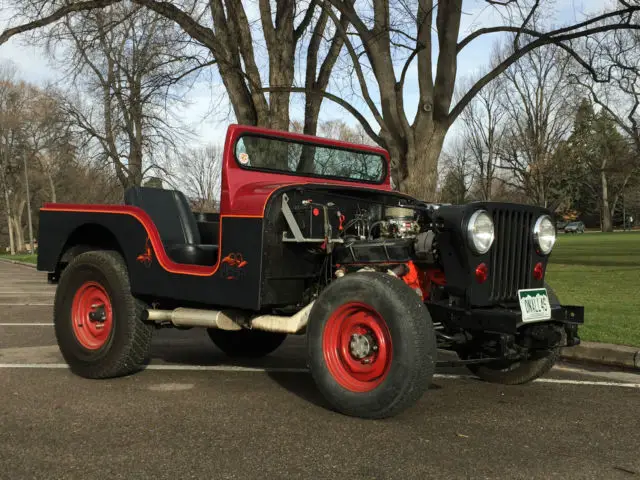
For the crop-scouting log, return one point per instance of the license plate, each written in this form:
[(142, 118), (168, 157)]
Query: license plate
[(534, 304)]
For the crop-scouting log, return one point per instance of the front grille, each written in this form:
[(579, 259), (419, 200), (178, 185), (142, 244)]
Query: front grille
[(512, 253)]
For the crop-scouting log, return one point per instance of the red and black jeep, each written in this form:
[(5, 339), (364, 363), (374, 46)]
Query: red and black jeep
[(311, 239)]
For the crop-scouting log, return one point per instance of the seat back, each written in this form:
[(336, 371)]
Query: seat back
[(169, 210)]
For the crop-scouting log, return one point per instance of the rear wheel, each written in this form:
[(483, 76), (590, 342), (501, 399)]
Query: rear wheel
[(520, 371), (371, 345), (98, 323), (246, 343)]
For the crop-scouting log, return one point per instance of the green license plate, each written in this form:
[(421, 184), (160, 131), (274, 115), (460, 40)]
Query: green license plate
[(534, 304)]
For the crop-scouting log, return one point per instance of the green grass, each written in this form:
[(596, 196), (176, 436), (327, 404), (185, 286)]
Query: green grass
[(21, 258), (602, 272)]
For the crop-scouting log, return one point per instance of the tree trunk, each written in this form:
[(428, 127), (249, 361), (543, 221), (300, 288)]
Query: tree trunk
[(52, 185), (617, 196), (421, 162), (17, 219), (311, 113), (12, 244), (137, 116), (607, 224), (18, 234)]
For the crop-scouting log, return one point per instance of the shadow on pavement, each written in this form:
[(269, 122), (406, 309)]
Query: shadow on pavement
[(301, 385)]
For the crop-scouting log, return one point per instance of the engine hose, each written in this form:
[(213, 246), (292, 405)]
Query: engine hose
[(400, 270), (372, 226), (455, 338)]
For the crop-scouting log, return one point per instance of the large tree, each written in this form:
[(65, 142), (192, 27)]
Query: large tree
[(538, 103), (225, 28), (198, 173), (602, 159), (10, 119), (482, 132), (611, 80), (38, 161), (126, 66), (382, 40), (420, 29), (260, 90)]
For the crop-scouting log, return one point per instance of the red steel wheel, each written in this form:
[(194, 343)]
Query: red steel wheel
[(371, 345), (92, 315), (99, 325), (357, 347)]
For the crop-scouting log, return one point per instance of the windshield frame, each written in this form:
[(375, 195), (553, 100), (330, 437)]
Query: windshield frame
[(364, 150)]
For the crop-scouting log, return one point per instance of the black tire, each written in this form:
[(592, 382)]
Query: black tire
[(127, 348), (410, 332), (521, 371), (246, 343)]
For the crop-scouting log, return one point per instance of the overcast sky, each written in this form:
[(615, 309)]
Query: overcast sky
[(33, 66)]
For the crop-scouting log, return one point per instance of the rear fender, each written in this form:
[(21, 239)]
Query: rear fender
[(64, 235)]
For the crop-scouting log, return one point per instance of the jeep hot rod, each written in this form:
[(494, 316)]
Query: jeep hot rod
[(310, 239)]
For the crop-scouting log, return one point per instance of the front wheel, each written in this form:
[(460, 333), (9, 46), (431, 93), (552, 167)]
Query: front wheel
[(371, 345)]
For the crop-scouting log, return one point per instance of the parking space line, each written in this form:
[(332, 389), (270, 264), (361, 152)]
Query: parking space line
[(25, 292), (6, 324), (26, 304), (235, 368), (27, 289), (191, 368), (587, 382)]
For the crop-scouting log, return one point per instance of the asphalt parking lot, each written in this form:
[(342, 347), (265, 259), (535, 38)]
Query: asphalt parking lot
[(195, 414)]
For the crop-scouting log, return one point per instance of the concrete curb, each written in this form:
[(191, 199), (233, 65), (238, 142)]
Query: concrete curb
[(18, 262), (603, 354)]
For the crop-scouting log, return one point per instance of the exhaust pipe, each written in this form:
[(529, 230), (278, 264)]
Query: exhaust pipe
[(192, 317), (282, 324)]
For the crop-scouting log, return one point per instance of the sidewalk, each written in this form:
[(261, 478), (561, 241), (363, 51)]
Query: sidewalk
[(18, 262)]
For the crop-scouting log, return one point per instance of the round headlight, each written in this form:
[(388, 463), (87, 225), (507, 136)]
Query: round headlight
[(544, 233), (480, 232)]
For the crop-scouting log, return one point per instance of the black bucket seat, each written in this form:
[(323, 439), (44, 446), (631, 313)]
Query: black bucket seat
[(176, 224)]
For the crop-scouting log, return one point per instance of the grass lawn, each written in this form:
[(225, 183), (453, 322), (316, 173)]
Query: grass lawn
[(21, 258), (602, 272)]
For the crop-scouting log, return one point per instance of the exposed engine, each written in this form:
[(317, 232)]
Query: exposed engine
[(386, 222), (399, 222), (362, 232)]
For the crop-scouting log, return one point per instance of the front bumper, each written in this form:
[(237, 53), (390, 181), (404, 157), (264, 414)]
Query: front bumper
[(506, 320)]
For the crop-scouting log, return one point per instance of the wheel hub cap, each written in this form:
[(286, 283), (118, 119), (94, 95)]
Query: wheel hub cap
[(362, 345), (91, 315), (357, 347)]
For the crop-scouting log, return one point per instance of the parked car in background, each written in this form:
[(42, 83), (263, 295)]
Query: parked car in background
[(574, 227)]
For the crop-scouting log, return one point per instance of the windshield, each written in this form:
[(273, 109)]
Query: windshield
[(294, 158)]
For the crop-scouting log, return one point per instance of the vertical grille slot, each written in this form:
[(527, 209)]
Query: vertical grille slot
[(511, 257)]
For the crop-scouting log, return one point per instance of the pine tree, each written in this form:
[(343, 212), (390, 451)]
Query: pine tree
[(596, 154)]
